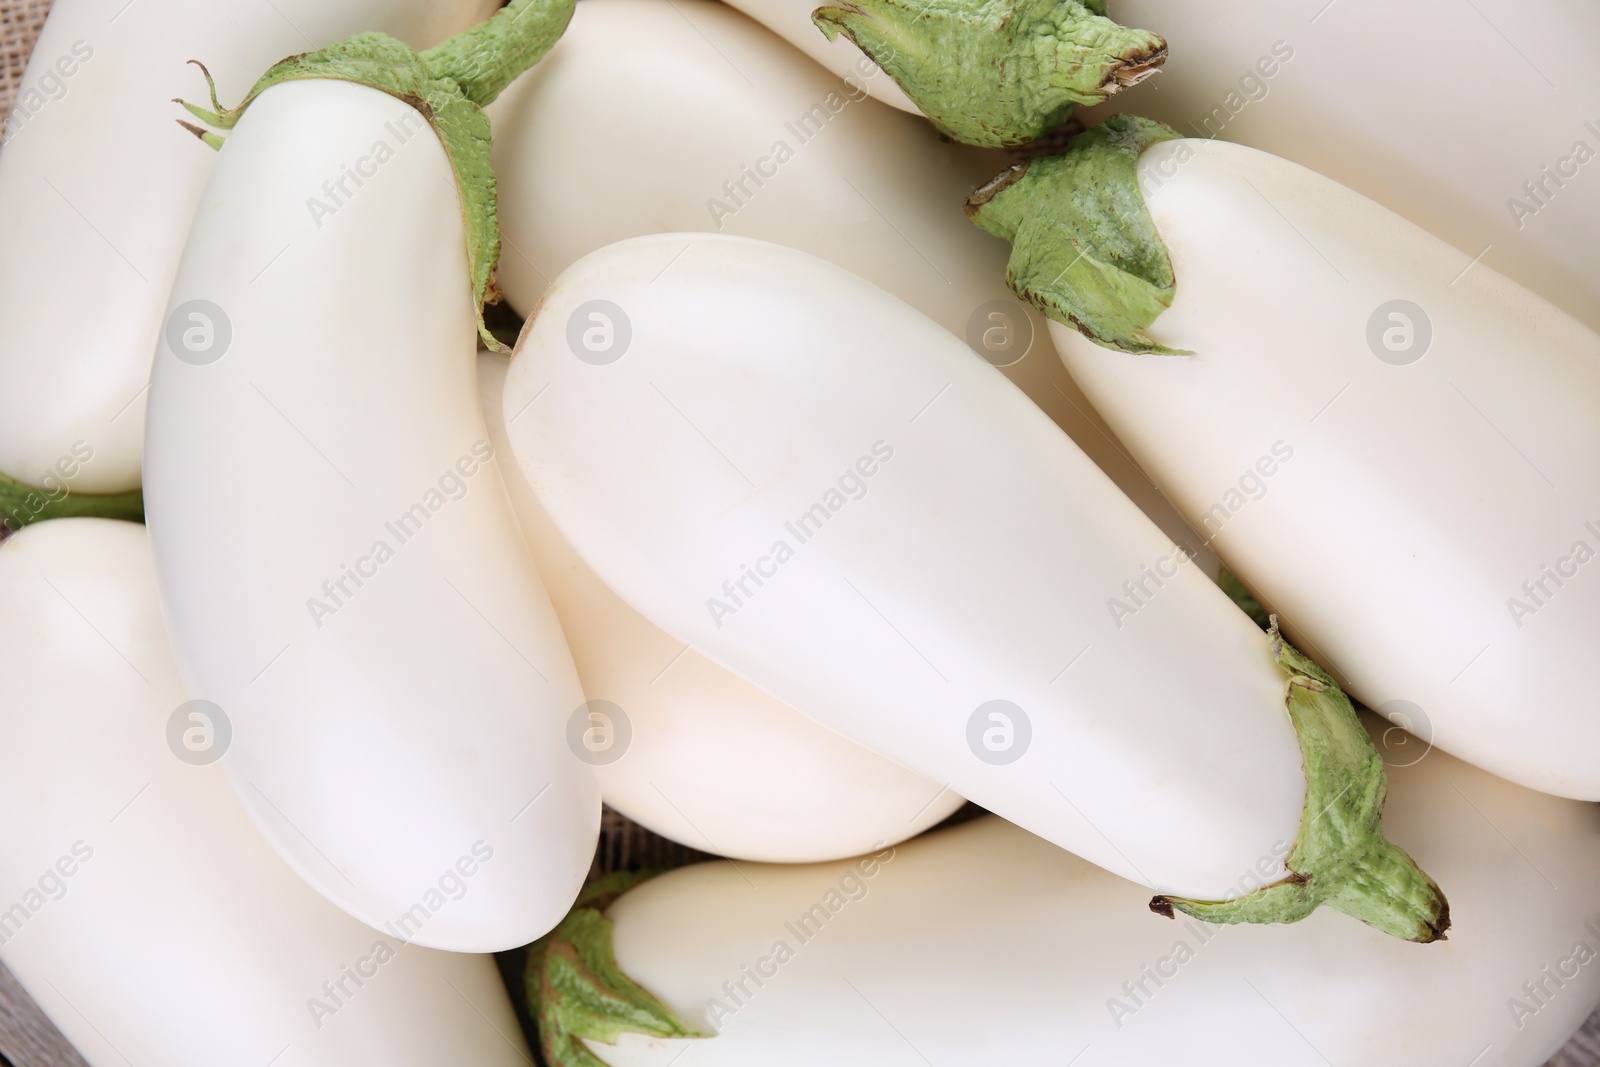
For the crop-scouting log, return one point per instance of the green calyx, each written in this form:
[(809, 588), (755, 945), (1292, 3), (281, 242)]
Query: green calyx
[(577, 991), (22, 505), (997, 73), (449, 85), (1242, 598), (1340, 858), (1084, 249)]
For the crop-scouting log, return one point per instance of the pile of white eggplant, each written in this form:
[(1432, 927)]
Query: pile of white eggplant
[(881, 415)]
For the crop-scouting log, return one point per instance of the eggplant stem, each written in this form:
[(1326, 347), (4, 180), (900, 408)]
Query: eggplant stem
[(997, 73), (22, 505), (578, 993), (449, 86), (1341, 857), (486, 58), (1084, 249)]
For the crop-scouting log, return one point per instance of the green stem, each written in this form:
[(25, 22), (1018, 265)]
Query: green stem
[(22, 505), (1246, 602), (488, 57), (1084, 249), (577, 991), (448, 85), (997, 73), (1340, 857)]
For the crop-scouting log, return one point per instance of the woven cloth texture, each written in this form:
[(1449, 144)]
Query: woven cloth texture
[(19, 25)]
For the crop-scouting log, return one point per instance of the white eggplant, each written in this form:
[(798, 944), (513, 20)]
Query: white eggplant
[(137, 904), (817, 487), (340, 567), (640, 79), (1393, 446), (97, 187), (691, 750), (689, 117), (981, 944), (1479, 122), (791, 20)]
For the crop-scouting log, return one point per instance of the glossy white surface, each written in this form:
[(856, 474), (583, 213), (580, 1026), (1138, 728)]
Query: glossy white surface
[(705, 757), (791, 20), (684, 116), (957, 549), (1421, 495), (388, 723), (1449, 113), (141, 909), (982, 944), (98, 183)]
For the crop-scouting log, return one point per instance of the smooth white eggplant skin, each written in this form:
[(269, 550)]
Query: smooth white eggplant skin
[(1395, 105), (689, 117), (981, 944), (340, 566), (791, 20), (973, 563), (97, 187), (666, 103), (707, 758), (1420, 497), (142, 910)]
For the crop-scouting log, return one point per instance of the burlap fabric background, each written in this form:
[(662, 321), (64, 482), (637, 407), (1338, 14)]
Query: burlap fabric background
[(19, 25), (27, 1039)]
